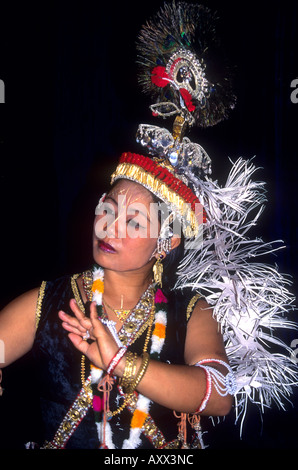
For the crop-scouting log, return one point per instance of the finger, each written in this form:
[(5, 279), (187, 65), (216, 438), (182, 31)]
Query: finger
[(89, 350), (79, 315), (73, 322), (76, 310), (98, 329), (79, 343), (72, 329)]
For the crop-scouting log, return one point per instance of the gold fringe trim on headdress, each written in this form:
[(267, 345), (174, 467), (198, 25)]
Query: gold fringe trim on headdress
[(160, 189)]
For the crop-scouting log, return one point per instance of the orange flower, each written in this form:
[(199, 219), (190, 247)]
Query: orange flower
[(98, 286), (159, 330), (138, 419)]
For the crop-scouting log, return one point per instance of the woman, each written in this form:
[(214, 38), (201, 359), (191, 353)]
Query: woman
[(127, 264), (140, 346)]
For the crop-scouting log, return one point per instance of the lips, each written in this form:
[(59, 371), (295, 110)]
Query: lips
[(106, 247)]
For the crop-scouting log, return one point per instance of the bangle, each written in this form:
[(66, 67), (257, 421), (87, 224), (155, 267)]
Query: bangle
[(141, 373), (115, 360), (224, 385), (207, 393), (129, 370)]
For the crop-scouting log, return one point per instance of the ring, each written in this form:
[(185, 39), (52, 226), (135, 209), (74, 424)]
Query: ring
[(86, 336)]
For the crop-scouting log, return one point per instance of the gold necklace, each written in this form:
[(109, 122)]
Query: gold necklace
[(121, 313)]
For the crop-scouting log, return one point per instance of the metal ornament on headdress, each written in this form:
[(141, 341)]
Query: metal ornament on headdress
[(173, 55), (176, 53)]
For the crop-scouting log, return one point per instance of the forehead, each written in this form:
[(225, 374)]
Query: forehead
[(133, 192)]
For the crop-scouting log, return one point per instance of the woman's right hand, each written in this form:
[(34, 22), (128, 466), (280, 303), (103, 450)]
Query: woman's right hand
[(103, 347)]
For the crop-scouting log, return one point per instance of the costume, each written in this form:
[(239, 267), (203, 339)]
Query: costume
[(59, 374)]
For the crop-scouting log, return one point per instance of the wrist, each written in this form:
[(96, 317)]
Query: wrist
[(132, 371)]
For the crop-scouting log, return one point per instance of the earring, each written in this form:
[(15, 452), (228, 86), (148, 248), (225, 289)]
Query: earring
[(164, 244), (158, 270)]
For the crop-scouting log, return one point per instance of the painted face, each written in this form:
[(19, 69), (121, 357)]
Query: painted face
[(125, 228)]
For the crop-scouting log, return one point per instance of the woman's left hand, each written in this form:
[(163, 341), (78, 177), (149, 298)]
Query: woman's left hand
[(103, 347)]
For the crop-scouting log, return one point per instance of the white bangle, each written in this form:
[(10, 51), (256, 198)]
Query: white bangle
[(115, 361), (224, 384)]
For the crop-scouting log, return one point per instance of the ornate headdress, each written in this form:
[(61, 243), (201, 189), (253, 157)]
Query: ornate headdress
[(176, 69), (181, 67)]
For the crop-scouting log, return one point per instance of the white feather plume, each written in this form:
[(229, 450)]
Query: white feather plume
[(249, 299)]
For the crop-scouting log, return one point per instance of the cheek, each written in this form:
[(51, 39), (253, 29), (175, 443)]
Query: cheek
[(139, 248)]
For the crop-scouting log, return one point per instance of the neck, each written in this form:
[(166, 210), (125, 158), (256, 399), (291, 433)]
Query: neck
[(129, 284)]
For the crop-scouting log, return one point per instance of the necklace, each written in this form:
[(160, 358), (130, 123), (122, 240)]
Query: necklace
[(151, 313), (121, 313), (131, 397)]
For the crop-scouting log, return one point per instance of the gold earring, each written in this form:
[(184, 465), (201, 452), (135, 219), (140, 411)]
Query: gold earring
[(158, 270)]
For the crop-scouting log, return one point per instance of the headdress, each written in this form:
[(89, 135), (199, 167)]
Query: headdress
[(181, 67), (176, 69)]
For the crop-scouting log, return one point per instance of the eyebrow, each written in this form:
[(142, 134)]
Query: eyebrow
[(140, 212)]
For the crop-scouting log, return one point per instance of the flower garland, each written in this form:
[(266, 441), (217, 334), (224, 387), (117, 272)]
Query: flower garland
[(142, 407)]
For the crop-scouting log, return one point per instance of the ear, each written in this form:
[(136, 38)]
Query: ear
[(176, 240)]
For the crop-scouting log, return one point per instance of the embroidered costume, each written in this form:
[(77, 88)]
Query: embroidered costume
[(72, 406)]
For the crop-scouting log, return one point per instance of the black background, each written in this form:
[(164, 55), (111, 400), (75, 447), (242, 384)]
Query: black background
[(72, 105)]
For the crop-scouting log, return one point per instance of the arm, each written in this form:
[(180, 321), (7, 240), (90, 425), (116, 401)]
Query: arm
[(17, 326), (184, 387), (178, 387)]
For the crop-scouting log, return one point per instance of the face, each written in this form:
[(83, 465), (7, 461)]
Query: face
[(126, 228)]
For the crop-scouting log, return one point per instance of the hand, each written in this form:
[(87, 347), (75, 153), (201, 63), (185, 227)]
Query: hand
[(79, 325), (103, 348)]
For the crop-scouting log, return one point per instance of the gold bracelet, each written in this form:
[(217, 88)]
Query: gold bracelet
[(140, 374), (129, 370)]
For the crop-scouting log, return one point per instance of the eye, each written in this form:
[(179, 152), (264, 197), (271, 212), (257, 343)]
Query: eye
[(108, 210), (135, 224)]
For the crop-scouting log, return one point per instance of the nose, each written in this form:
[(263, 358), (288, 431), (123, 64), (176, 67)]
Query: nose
[(105, 227), (109, 226)]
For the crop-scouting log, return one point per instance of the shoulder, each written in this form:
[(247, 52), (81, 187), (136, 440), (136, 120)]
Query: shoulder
[(54, 295), (191, 302), (17, 325), (23, 302), (195, 303)]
